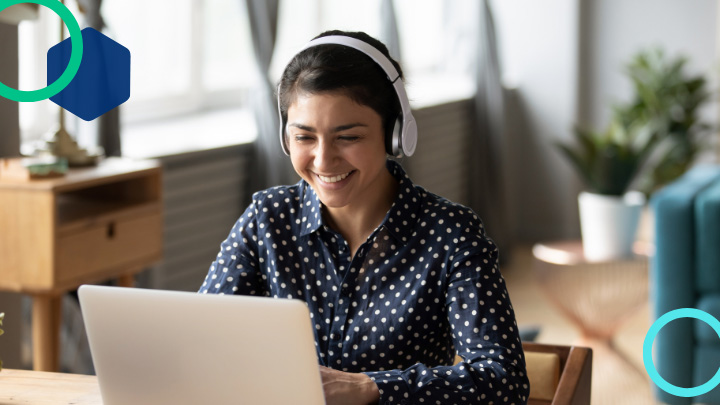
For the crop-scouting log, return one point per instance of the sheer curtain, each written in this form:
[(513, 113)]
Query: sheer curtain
[(487, 194), (274, 168), (9, 128), (389, 29), (108, 123)]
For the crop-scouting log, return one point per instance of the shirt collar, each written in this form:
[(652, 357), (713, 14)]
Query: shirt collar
[(310, 210), (403, 214), (399, 221)]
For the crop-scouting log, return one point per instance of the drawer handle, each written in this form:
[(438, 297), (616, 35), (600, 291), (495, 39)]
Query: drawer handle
[(111, 230)]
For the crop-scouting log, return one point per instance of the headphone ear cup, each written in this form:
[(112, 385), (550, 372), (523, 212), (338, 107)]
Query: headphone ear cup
[(392, 139), (281, 125), (283, 136), (408, 139)]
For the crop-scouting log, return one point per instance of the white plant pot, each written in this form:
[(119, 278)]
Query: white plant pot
[(609, 224)]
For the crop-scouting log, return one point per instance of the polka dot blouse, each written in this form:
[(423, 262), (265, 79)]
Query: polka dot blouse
[(423, 286)]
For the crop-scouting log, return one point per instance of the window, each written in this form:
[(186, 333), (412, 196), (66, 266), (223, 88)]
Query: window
[(193, 59), (188, 57), (436, 38)]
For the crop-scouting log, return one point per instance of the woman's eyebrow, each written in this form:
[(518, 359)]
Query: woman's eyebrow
[(348, 126), (336, 129), (301, 126)]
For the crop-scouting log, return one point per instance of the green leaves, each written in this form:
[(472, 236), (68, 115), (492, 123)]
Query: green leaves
[(650, 141), (607, 162)]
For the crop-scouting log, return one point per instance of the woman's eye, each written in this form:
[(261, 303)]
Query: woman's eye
[(302, 138), (349, 138)]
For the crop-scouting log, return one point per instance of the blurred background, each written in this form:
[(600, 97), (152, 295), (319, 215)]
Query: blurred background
[(494, 85)]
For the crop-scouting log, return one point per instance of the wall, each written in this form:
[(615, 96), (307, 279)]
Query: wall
[(614, 30), (204, 193), (539, 52), (563, 61)]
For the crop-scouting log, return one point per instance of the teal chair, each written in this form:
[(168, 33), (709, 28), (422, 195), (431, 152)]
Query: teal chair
[(685, 273)]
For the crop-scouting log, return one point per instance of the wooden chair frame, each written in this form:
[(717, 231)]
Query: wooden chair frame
[(574, 386)]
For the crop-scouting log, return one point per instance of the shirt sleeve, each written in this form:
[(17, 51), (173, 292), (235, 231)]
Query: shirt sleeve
[(485, 335), (236, 268)]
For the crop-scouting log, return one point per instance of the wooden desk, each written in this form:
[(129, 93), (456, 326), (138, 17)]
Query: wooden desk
[(89, 226), (37, 387)]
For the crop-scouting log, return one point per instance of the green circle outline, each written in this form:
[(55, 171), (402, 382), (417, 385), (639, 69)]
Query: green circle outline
[(75, 56)]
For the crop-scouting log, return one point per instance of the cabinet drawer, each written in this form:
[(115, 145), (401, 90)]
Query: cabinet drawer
[(107, 246)]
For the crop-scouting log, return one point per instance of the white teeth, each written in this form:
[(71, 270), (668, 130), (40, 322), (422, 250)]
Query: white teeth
[(334, 179)]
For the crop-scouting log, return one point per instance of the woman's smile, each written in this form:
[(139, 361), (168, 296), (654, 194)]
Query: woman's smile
[(335, 182)]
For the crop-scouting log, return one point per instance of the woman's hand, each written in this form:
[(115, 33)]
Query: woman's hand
[(348, 388)]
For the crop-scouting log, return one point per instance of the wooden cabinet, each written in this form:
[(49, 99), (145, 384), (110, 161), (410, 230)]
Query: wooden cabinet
[(91, 225)]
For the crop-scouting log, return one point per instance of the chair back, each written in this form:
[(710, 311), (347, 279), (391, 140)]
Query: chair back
[(559, 375)]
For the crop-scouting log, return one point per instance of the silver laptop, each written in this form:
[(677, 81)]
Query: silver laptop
[(168, 347)]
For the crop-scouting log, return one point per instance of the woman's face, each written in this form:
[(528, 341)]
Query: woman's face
[(337, 146)]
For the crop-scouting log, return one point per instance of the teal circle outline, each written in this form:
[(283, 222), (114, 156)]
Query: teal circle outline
[(75, 56), (647, 352)]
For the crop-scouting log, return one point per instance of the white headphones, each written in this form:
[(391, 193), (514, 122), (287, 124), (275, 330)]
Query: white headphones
[(404, 137)]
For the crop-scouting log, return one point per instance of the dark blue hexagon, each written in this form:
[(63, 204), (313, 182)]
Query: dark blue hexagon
[(102, 81)]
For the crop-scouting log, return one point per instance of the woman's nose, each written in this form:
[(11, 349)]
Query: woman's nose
[(325, 154)]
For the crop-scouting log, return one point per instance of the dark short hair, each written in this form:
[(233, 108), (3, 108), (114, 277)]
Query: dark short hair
[(331, 68)]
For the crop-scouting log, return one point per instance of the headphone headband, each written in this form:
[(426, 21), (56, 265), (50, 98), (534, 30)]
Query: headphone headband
[(405, 142), (361, 46)]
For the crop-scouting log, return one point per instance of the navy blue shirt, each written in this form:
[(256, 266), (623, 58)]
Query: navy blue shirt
[(423, 286)]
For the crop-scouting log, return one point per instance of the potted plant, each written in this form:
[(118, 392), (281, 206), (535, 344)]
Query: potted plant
[(648, 143)]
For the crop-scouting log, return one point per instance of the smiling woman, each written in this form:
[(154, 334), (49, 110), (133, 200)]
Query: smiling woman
[(397, 279)]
